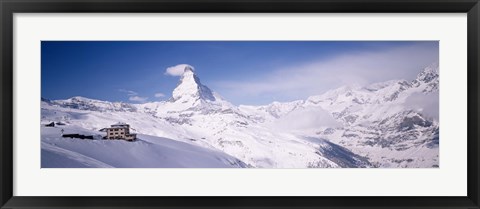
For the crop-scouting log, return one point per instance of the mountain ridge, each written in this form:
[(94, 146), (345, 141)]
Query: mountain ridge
[(363, 121)]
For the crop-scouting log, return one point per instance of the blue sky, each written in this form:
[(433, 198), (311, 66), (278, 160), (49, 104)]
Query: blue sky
[(243, 72)]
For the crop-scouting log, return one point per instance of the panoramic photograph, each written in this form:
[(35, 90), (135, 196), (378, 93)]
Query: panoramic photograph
[(240, 104)]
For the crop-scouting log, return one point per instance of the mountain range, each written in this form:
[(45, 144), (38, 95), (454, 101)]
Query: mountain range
[(388, 124)]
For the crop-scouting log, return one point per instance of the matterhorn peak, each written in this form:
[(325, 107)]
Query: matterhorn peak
[(188, 69), (190, 88)]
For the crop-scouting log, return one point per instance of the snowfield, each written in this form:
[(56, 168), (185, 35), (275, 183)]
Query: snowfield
[(146, 152), (389, 124)]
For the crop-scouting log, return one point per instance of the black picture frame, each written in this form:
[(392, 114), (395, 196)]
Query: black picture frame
[(9, 7)]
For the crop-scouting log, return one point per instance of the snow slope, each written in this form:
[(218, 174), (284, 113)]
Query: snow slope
[(147, 152)]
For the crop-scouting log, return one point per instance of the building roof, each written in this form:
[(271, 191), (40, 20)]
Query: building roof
[(110, 128), (119, 124)]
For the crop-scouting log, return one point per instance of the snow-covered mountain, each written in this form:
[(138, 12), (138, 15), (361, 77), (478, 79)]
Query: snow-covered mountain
[(388, 124)]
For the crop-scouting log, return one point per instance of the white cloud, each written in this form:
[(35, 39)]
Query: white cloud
[(138, 99), (316, 77), (128, 92), (177, 70), (133, 96), (159, 95), (308, 118), (427, 104)]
